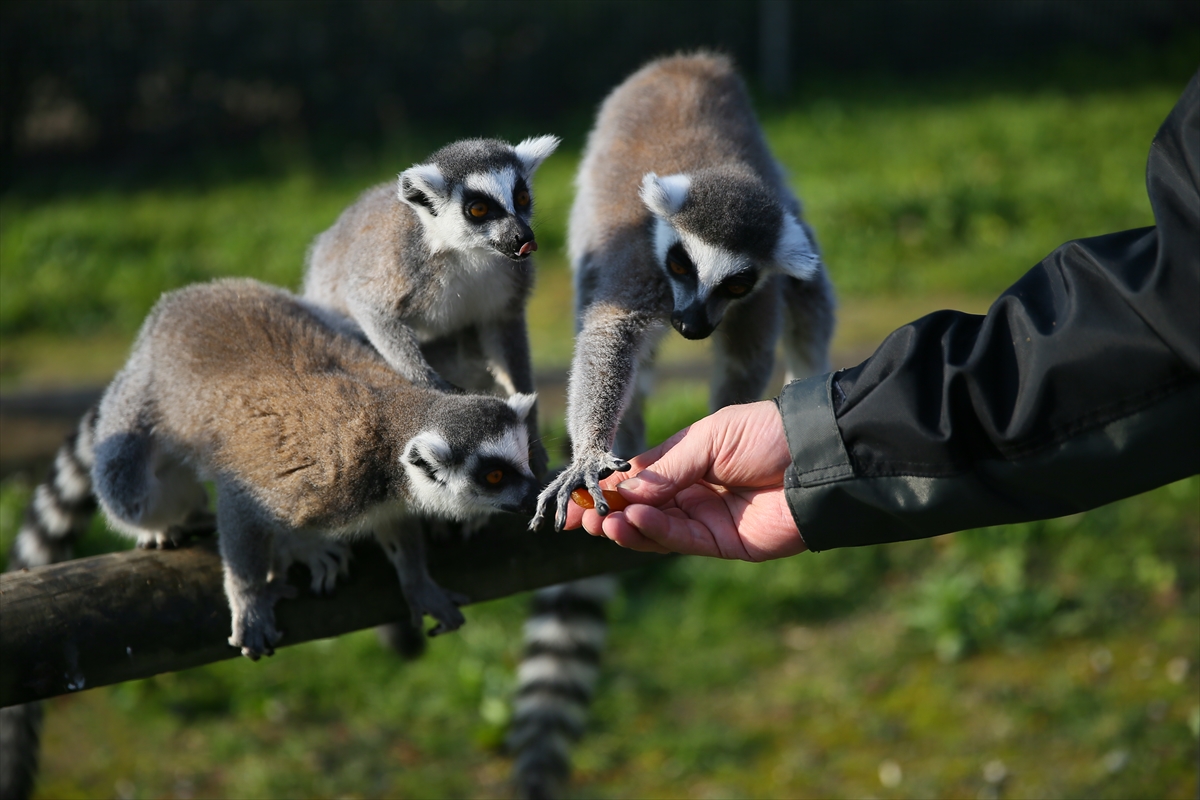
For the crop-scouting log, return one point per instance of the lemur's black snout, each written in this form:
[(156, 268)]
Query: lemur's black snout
[(691, 326), (518, 240)]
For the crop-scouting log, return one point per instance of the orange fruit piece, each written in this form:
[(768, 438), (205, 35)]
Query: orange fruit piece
[(583, 499)]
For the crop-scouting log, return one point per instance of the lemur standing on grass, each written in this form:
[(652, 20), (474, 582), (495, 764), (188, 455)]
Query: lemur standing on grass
[(682, 217), (435, 269)]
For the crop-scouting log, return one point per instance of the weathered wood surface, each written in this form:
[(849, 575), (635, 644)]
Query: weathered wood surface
[(102, 620)]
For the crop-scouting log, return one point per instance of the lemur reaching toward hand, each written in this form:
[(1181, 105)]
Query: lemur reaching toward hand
[(311, 438), (682, 216), (434, 268)]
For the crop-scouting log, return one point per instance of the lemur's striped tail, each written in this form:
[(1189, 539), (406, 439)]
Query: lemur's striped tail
[(58, 513), (62, 505), (564, 639)]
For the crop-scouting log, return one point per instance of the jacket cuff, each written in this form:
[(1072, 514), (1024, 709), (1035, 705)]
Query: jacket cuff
[(818, 454)]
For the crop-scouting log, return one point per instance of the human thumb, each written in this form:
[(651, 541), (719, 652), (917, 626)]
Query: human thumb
[(687, 458)]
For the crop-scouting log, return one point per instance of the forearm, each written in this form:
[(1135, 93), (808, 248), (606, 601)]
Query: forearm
[(1078, 387), (604, 373), (837, 503)]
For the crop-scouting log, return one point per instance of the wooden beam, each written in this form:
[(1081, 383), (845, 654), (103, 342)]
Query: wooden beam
[(107, 619)]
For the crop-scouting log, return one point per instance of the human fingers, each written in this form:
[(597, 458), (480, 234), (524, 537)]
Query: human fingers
[(616, 529), (621, 530)]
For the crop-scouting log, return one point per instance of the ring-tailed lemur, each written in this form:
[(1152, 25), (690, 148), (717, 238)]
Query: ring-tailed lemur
[(682, 217), (435, 269), (310, 437)]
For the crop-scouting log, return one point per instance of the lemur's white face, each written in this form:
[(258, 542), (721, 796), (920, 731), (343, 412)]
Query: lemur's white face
[(486, 208), (493, 476), (705, 277)]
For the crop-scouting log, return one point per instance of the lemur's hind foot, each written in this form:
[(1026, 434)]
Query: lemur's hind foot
[(254, 631)]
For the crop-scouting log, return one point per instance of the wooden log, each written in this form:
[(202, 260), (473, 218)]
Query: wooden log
[(107, 619)]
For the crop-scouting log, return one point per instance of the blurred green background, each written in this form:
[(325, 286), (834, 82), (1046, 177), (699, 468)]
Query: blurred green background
[(939, 152)]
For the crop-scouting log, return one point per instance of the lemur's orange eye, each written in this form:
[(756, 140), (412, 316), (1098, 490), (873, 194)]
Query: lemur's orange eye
[(495, 476), (676, 267), (736, 288), (522, 198), (477, 209)]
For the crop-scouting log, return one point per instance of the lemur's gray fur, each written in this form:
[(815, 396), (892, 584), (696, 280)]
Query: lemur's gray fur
[(682, 216), (310, 437), (435, 269)]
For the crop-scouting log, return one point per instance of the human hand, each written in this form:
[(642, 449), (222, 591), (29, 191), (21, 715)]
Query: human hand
[(713, 489)]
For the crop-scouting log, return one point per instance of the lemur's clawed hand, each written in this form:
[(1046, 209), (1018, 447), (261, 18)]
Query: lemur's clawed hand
[(587, 470)]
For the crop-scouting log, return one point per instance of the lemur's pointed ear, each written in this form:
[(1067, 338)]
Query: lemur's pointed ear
[(522, 404), (796, 253), (421, 185), (534, 150), (430, 453), (666, 195)]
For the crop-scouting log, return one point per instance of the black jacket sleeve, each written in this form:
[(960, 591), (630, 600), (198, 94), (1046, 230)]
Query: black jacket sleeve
[(1080, 386)]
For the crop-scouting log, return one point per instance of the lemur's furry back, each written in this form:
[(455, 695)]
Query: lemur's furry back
[(682, 218), (435, 268)]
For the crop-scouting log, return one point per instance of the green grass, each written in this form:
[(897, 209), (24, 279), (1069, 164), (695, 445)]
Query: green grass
[(958, 196), (1066, 649)]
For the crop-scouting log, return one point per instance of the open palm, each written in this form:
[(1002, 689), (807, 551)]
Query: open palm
[(713, 489)]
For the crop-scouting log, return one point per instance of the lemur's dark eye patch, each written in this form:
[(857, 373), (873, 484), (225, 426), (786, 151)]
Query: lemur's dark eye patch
[(740, 285), (494, 473), (678, 261)]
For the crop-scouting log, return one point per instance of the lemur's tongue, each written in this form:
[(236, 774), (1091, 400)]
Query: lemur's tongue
[(527, 248)]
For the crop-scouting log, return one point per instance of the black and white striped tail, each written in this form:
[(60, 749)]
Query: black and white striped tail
[(62, 505), (58, 513), (564, 639)]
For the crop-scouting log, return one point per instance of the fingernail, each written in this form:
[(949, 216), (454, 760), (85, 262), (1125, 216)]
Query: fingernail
[(633, 484)]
